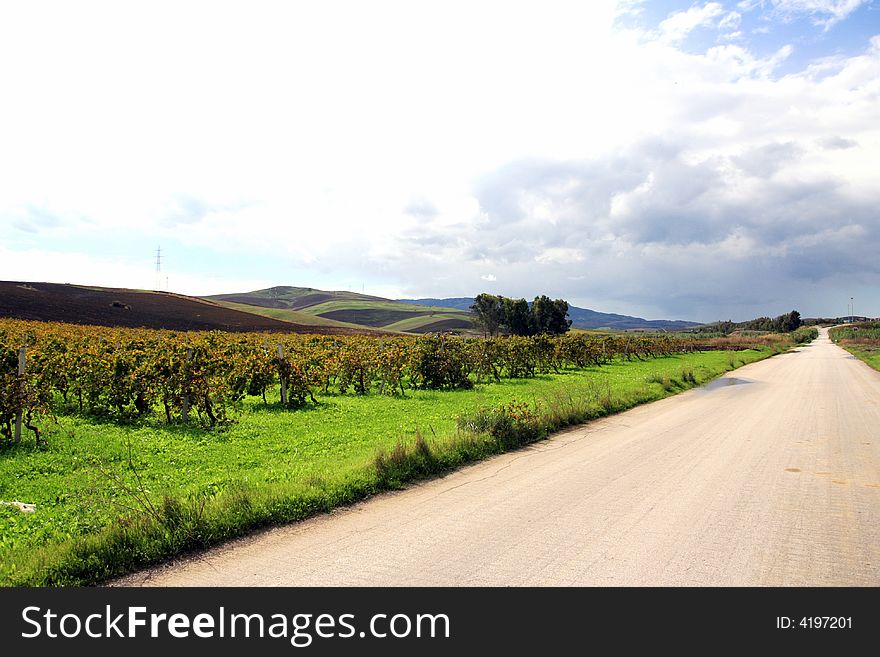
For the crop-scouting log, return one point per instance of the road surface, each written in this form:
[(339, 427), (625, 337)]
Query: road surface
[(768, 476)]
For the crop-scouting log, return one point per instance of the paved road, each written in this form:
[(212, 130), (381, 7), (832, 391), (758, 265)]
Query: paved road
[(770, 476)]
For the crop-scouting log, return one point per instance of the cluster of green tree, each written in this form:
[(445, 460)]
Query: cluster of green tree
[(782, 324), (824, 321), (497, 314)]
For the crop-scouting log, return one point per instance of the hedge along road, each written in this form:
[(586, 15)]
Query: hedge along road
[(767, 476)]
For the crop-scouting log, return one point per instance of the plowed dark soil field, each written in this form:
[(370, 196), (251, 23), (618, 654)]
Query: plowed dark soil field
[(134, 308)]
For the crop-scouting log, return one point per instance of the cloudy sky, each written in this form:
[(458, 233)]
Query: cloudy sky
[(669, 159)]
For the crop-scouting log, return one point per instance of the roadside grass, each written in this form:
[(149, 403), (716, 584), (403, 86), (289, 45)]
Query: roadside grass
[(111, 498), (868, 353), (861, 340)]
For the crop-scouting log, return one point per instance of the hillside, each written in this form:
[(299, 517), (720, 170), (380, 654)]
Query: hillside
[(580, 317), (291, 298), (77, 304), (282, 309), (345, 310), (288, 315)]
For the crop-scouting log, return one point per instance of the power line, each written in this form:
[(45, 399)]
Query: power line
[(159, 268)]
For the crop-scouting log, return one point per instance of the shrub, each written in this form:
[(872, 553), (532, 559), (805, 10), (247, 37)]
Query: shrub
[(804, 334), (510, 424), (404, 463), (440, 363)]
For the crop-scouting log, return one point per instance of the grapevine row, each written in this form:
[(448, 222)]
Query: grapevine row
[(126, 373)]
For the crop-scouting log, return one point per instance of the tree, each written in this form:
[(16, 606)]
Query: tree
[(560, 323), (517, 318), (791, 321), (488, 312), (549, 316)]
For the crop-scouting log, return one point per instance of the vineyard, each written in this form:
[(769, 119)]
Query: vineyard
[(203, 376)]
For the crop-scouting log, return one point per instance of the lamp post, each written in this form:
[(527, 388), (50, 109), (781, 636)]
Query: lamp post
[(852, 311)]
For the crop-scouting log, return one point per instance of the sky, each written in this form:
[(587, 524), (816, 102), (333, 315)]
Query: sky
[(700, 161)]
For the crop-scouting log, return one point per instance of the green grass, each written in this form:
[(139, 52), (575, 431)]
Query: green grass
[(867, 353), (861, 340), (113, 498)]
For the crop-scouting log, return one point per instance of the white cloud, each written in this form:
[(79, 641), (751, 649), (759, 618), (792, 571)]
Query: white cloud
[(730, 22), (681, 23), (825, 13), (559, 256), (489, 277)]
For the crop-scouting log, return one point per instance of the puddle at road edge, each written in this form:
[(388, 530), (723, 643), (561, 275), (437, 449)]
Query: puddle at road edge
[(723, 382)]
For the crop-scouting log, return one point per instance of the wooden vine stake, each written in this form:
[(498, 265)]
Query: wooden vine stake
[(22, 360), (281, 375), (184, 413)]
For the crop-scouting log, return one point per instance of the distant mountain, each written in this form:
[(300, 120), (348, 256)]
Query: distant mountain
[(459, 303), (585, 318), (580, 317)]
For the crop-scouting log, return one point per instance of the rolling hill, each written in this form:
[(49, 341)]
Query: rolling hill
[(343, 309)]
